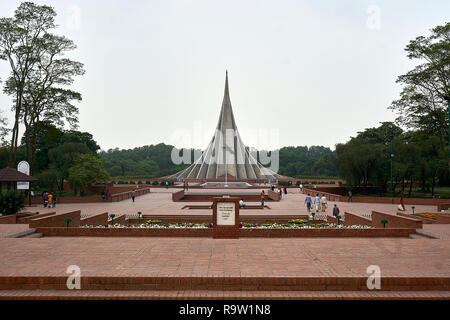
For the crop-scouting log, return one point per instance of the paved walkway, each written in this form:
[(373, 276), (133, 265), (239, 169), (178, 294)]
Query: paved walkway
[(442, 230), (160, 202), (200, 257), (9, 229)]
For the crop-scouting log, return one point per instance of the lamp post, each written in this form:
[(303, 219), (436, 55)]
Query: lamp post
[(392, 160)]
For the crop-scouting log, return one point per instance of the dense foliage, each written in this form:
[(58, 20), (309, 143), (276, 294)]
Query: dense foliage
[(11, 202)]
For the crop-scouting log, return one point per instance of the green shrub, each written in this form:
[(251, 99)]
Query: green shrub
[(11, 202), (132, 182), (155, 183), (147, 182), (139, 182)]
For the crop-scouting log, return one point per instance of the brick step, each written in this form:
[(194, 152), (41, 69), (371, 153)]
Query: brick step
[(417, 236), (34, 235), (217, 295), (227, 283)]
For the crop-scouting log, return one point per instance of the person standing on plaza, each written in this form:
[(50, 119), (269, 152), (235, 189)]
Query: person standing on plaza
[(50, 200), (323, 202), (350, 196), (301, 187), (308, 202), (335, 210), (54, 199), (133, 195), (285, 190), (317, 202), (262, 197), (45, 197)]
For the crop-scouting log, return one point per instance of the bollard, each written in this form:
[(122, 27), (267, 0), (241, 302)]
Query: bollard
[(413, 207), (384, 221), (68, 221), (338, 219), (313, 215), (112, 218), (139, 216)]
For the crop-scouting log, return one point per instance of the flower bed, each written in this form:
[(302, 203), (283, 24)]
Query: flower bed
[(292, 224)]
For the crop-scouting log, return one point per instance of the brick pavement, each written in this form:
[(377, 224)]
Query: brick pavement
[(442, 230), (159, 202), (204, 257), (9, 229)]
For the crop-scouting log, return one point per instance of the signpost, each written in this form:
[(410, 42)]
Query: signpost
[(23, 167), (226, 218)]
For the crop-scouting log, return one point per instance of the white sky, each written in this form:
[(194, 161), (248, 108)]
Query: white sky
[(305, 72)]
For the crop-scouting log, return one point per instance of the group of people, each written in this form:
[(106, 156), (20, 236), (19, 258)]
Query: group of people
[(49, 199), (320, 203), (105, 195)]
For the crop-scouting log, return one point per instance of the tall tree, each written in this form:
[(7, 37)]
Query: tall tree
[(422, 104), (19, 37), (43, 93)]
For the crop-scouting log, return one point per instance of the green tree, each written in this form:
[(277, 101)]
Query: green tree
[(86, 170), (19, 38), (422, 105)]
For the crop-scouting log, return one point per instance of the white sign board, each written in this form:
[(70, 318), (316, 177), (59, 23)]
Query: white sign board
[(23, 167), (226, 212)]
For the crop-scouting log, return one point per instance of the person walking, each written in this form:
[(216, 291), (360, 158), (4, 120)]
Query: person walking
[(317, 202), (50, 200), (301, 187), (187, 186), (308, 202), (45, 198), (241, 204), (350, 196), (323, 202), (262, 197), (285, 190), (54, 200), (335, 210), (133, 195)]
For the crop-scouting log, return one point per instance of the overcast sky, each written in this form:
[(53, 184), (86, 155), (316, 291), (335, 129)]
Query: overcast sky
[(300, 72)]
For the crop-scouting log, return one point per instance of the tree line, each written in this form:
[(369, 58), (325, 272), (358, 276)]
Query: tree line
[(419, 154)]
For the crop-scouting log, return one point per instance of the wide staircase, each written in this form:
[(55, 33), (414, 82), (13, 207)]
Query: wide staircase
[(222, 288)]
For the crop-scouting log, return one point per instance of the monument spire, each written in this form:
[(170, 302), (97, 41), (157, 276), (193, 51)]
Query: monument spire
[(226, 155)]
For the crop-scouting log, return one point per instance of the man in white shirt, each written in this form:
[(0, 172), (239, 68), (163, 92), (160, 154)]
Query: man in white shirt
[(323, 202), (241, 203)]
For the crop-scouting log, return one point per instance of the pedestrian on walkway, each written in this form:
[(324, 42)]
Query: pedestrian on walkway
[(133, 195), (301, 187), (262, 197), (335, 210), (285, 190), (54, 199), (317, 202), (308, 202), (350, 196), (45, 198), (50, 200), (323, 202)]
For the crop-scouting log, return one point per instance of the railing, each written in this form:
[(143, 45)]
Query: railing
[(127, 195)]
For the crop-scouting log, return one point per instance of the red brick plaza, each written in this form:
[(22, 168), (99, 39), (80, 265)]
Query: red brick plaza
[(206, 268)]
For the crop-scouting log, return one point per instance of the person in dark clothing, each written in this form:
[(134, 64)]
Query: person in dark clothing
[(335, 210), (285, 190), (133, 195)]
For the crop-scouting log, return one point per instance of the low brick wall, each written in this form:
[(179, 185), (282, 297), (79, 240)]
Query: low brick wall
[(127, 195), (443, 206), (100, 219), (36, 216), (351, 219), (10, 219), (272, 195), (394, 221), (248, 233), (57, 220), (61, 200), (178, 195), (121, 219)]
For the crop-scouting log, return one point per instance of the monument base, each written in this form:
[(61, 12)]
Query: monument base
[(225, 218)]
